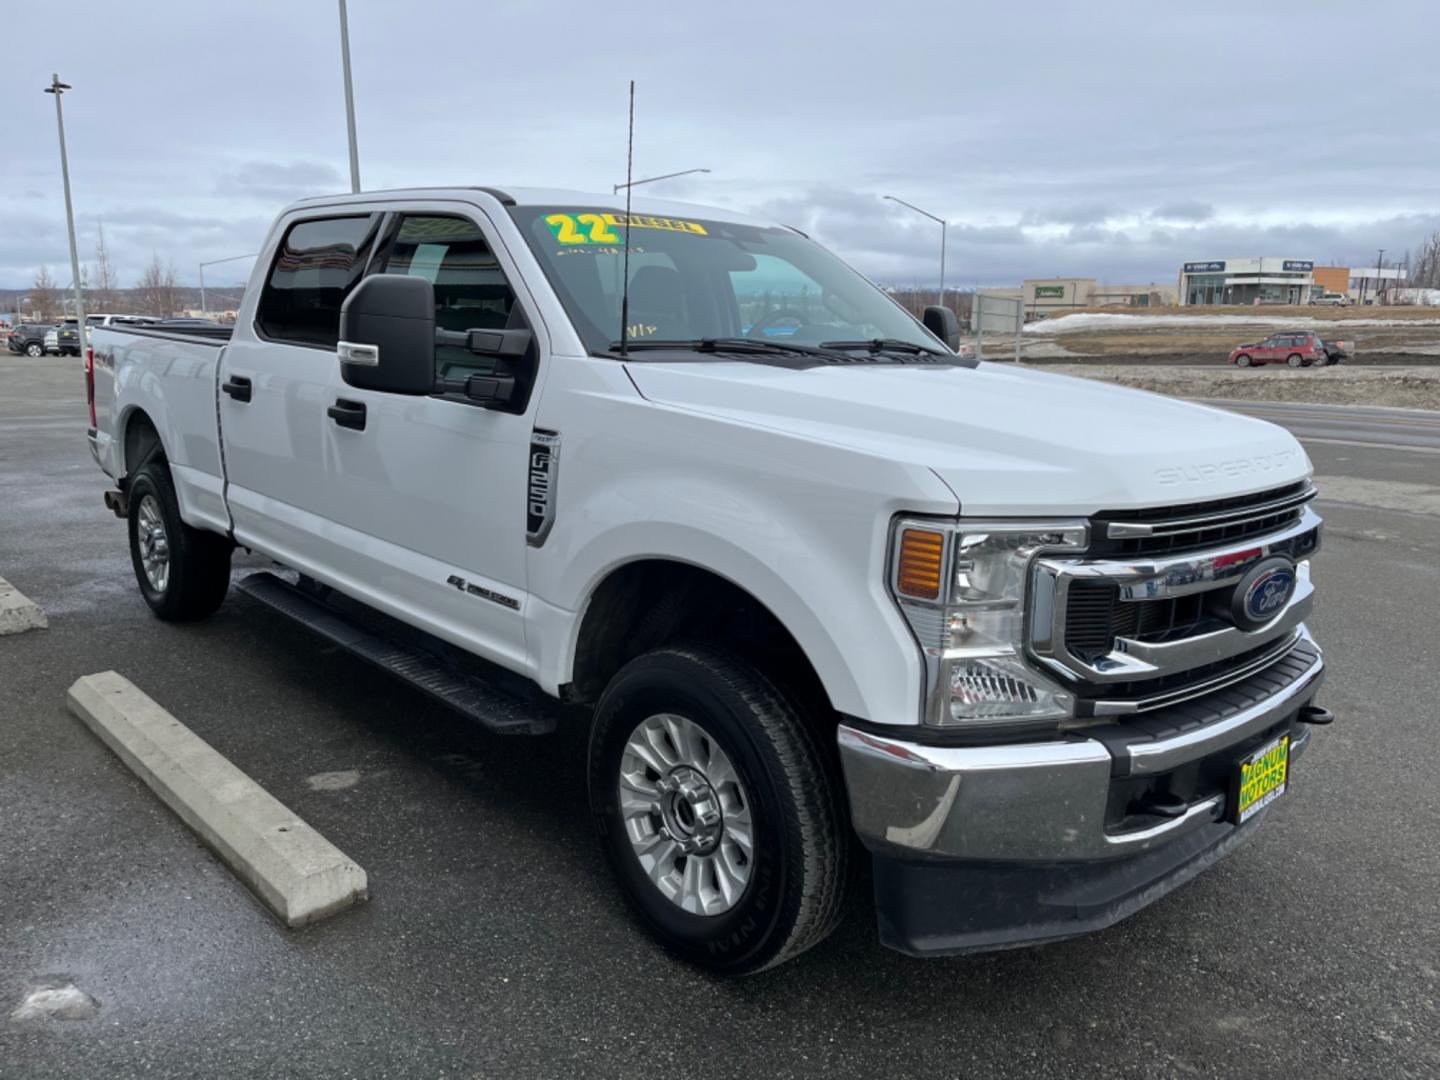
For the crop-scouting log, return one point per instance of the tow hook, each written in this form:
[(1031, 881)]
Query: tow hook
[(118, 502), (1314, 714)]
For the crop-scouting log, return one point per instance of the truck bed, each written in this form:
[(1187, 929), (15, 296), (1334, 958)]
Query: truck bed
[(209, 335)]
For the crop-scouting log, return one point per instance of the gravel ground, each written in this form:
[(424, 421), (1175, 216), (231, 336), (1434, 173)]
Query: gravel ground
[(1406, 387)]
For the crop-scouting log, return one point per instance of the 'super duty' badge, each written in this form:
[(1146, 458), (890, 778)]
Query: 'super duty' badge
[(544, 469)]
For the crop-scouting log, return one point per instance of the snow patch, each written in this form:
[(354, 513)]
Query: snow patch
[(334, 781), (1066, 324), (64, 1001)]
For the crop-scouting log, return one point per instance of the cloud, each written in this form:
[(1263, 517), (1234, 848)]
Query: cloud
[(1184, 210), (1059, 151), (1084, 214), (280, 182)]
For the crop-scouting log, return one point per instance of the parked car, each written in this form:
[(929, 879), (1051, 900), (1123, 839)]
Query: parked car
[(1330, 299), (29, 338), (1296, 350), (67, 338), (1335, 351), (1038, 642)]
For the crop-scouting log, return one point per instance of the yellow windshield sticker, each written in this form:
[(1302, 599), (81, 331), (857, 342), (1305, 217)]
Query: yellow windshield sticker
[(602, 228)]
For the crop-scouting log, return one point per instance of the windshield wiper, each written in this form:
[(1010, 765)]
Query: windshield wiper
[(876, 345), (728, 345)]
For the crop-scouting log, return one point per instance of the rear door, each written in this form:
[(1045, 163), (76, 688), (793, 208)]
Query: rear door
[(277, 379)]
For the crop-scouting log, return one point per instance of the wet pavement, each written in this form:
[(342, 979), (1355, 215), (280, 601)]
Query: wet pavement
[(494, 945)]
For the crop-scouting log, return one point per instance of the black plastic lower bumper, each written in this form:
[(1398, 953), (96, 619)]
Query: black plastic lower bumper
[(934, 908)]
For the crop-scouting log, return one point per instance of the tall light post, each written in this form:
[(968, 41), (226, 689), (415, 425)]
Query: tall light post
[(229, 258), (932, 217), (349, 99), (651, 179), (57, 88)]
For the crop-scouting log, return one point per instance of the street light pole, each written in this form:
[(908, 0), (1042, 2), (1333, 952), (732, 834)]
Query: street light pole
[(651, 179), (1379, 273), (943, 230), (57, 88), (349, 99), (229, 258)]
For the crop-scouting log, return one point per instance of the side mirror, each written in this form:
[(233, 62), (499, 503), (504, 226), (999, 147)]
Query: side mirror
[(387, 335), (943, 323)]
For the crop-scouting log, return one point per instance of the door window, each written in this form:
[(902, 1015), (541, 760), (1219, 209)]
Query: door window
[(318, 263), (471, 292)]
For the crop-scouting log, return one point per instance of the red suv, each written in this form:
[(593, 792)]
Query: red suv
[(1297, 350)]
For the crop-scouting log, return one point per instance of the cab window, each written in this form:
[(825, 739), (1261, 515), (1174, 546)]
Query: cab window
[(471, 292), (316, 266)]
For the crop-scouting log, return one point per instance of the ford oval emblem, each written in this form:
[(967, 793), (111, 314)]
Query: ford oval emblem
[(1266, 591)]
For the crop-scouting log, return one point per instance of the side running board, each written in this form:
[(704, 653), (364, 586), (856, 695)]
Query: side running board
[(481, 699)]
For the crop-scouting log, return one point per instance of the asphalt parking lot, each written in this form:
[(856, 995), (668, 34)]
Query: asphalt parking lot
[(493, 943)]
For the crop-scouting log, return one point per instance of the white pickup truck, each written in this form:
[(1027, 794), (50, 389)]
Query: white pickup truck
[(1037, 642)]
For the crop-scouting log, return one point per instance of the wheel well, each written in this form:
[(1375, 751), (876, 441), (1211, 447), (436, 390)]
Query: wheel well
[(643, 605), (142, 442)]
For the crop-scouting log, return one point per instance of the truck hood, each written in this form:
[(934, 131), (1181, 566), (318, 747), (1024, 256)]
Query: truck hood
[(1007, 441)]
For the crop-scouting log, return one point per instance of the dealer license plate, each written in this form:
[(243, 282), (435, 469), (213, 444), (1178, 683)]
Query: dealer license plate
[(1263, 776)]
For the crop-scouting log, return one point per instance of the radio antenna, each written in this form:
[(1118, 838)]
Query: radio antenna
[(625, 285)]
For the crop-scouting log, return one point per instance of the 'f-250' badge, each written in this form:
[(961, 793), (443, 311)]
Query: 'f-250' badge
[(540, 488)]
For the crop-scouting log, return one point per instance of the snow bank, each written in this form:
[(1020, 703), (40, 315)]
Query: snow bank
[(1070, 324)]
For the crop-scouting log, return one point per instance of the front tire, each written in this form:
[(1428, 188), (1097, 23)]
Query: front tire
[(1243, 360), (34, 349), (1295, 360), (718, 809), (183, 573)]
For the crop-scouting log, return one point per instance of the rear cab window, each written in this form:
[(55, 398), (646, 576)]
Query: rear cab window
[(317, 264)]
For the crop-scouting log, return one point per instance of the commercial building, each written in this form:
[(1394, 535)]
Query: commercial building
[(1043, 297), (1262, 280)]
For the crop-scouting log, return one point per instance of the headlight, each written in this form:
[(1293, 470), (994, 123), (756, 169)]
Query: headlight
[(961, 586)]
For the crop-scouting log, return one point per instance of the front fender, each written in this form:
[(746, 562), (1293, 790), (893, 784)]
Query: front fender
[(803, 527)]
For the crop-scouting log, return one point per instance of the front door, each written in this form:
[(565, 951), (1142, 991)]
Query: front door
[(429, 497)]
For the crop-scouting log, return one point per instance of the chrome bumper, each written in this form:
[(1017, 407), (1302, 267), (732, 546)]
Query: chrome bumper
[(1035, 802)]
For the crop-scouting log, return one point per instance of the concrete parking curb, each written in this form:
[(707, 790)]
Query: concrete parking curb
[(294, 870), (17, 613)]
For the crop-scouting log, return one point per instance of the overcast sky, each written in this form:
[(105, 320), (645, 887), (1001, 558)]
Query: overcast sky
[(1112, 141)]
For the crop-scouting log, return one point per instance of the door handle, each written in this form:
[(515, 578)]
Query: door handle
[(238, 387), (349, 414)]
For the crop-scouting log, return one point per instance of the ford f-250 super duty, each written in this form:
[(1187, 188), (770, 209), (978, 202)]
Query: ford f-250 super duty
[(1039, 642)]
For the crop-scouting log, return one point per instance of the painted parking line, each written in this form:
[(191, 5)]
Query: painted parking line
[(17, 612), (296, 872)]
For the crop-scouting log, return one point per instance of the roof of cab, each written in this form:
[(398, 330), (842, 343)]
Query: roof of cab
[(522, 196)]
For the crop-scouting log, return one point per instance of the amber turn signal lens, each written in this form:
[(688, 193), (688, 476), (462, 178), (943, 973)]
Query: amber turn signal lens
[(921, 555)]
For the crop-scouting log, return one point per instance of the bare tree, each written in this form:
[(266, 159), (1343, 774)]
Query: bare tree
[(106, 284), (45, 295), (157, 289)]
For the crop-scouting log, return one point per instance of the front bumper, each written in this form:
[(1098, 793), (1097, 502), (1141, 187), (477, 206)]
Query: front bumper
[(987, 847)]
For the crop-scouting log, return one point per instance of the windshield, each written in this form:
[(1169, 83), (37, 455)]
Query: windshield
[(693, 280)]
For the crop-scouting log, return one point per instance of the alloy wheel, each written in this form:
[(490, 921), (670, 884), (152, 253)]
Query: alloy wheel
[(687, 814), (154, 543)]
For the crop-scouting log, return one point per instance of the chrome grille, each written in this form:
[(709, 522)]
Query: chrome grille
[(1095, 616), (1130, 629)]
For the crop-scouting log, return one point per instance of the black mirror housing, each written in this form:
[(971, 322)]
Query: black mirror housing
[(387, 335), (944, 324)]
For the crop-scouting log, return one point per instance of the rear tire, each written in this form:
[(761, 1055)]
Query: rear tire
[(183, 573), (34, 349), (688, 729), (1295, 360), (1243, 360)]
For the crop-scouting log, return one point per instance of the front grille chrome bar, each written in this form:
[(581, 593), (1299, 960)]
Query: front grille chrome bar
[(1125, 530)]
